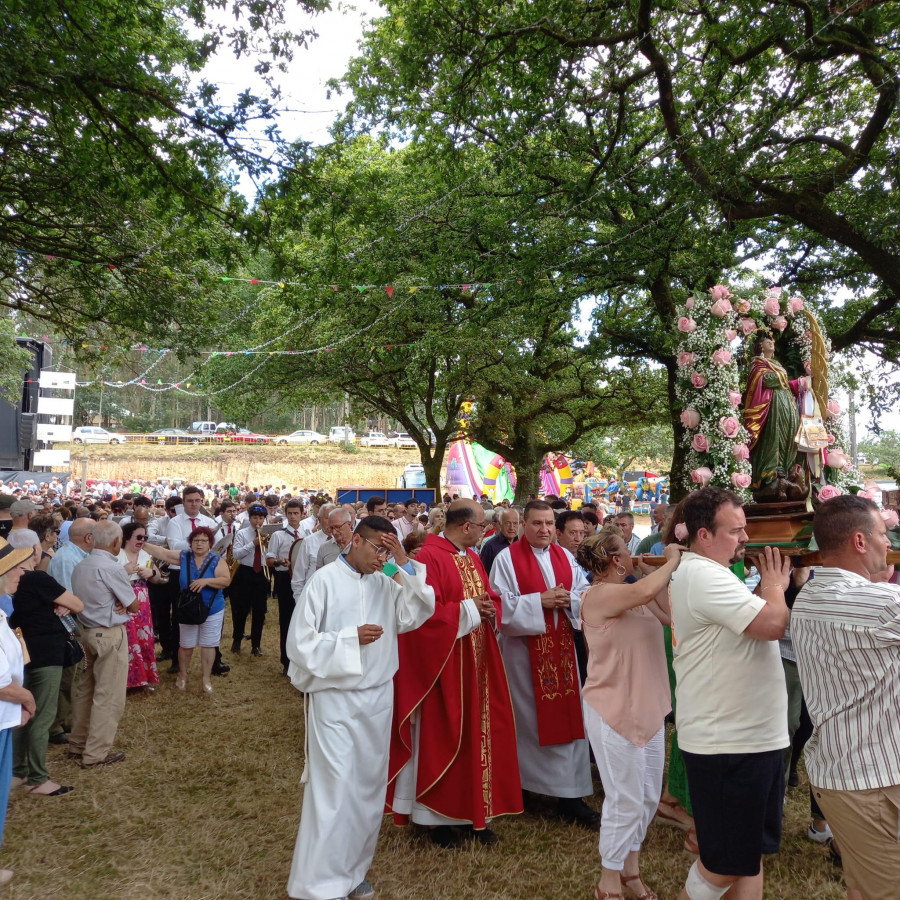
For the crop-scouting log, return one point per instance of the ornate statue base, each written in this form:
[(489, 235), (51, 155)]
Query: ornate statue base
[(787, 525)]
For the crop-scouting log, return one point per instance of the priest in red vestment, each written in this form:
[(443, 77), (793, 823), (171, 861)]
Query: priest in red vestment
[(540, 586), (453, 762)]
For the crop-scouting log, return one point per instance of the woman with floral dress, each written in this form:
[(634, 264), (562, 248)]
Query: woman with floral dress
[(142, 672)]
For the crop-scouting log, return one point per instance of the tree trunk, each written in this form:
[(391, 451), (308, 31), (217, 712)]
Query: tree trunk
[(432, 463)]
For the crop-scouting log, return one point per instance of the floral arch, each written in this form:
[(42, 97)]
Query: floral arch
[(716, 331)]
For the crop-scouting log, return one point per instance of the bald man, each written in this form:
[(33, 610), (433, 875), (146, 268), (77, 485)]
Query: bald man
[(453, 760)]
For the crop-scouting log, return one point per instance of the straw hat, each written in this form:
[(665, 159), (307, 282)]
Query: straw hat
[(10, 557)]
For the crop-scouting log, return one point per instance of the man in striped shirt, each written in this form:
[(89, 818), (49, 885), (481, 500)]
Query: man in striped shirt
[(845, 627)]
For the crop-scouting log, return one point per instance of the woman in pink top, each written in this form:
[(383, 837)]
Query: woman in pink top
[(626, 699)]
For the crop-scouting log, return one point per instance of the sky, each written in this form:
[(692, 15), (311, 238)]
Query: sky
[(310, 111)]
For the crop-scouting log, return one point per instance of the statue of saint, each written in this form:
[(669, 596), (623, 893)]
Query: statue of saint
[(771, 416)]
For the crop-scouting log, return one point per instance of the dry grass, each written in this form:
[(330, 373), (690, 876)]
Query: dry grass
[(323, 467), (206, 807)]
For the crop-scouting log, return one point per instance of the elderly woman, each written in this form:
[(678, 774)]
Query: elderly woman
[(39, 603), (625, 701), (142, 672), (46, 527), (205, 572), (17, 704)]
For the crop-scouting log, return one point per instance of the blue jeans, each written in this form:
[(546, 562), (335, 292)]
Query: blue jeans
[(5, 774)]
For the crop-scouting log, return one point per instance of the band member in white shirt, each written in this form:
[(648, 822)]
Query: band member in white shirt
[(277, 557), (250, 588)]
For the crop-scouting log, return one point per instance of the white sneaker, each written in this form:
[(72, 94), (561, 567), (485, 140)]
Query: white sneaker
[(820, 837)]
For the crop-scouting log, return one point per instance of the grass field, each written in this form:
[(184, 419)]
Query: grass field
[(206, 807), (323, 467)]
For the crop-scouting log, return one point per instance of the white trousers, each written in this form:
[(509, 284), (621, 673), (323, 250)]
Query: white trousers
[(632, 779), (348, 737)]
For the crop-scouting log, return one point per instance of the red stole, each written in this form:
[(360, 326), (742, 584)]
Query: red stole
[(557, 695)]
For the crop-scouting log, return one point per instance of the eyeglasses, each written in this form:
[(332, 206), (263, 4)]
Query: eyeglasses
[(381, 552), (481, 525), (144, 538)]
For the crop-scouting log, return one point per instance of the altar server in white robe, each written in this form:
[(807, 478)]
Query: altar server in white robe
[(540, 587), (342, 645)]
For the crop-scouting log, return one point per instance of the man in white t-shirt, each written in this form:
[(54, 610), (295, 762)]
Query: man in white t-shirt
[(732, 701)]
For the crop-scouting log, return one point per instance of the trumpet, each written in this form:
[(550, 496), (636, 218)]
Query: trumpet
[(263, 547)]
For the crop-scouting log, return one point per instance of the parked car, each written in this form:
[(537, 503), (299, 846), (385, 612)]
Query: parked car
[(304, 436), (172, 436), (413, 476), (404, 441), (202, 428), (340, 433), (862, 459), (242, 436), (91, 434), (374, 439)]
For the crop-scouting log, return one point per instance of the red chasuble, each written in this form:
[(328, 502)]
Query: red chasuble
[(557, 693), (468, 766)]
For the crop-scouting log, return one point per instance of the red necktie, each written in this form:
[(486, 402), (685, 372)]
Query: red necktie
[(257, 560), (193, 524)]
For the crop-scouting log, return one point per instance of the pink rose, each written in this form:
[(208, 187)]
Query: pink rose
[(743, 307), (730, 335), (690, 418), (720, 292), (891, 519), (780, 322), (700, 442), (698, 380), (828, 492), (834, 408), (720, 308), (685, 359), (836, 458), (702, 476), (795, 304), (807, 335), (686, 325), (689, 303), (721, 357), (729, 426), (831, 439), (807, 367), (740, 480), (747, 326), (734, 398), (865, 495), (740, 452), (681, 532), (772, 306), (774, 292)]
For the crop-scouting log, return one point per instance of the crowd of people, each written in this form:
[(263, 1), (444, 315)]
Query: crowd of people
[(468, 661)]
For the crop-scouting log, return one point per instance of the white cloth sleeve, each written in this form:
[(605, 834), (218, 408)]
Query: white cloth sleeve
[(521, 614), (414, 600), (469, 618), (244, 551), (322, 654)]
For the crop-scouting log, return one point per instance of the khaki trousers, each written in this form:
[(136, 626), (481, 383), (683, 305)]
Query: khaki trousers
[(866, 826), (99, 699)]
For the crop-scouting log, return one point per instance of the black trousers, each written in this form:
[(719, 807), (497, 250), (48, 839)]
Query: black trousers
[(285, 597), (162, 607), (249, 597)]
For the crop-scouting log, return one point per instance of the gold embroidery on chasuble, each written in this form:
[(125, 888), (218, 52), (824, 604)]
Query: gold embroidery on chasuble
[(473, 586)]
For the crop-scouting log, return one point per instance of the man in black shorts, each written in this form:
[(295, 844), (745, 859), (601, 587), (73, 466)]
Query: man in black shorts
[(732, 700)]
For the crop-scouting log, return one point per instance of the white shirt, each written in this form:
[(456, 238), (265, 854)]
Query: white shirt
[(730, 687), (12, 671), (280, 545), (306, 564), (323, 641), (846, 636), (180, 527)]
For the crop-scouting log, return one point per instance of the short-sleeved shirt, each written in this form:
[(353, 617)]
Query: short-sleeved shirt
[(730, 688), (45, 635)]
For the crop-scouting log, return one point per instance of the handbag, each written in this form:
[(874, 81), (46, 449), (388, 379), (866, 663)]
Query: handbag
[(190, 607), (812, 435), (73, 652)]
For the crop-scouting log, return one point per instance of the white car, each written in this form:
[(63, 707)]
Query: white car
[(337, 434), (374, 439), (301, 437), (91, 434), (402, 440)]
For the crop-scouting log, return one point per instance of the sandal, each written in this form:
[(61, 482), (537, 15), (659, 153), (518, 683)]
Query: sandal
[(690, 842), (605, 895), (649, 895), (664, 814)]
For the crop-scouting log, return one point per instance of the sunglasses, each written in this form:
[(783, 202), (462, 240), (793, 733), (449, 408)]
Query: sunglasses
[(144, 538)]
